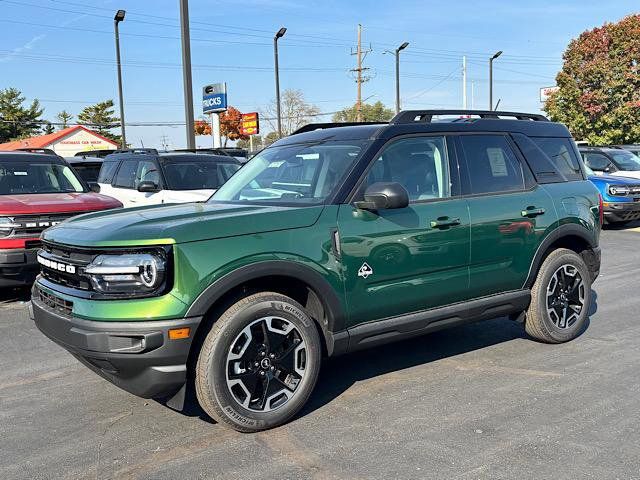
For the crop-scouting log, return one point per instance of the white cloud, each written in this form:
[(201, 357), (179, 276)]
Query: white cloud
[(24, 48)]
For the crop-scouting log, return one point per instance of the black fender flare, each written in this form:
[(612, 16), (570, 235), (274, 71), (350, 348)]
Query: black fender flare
[(567, 230), (336, 317)]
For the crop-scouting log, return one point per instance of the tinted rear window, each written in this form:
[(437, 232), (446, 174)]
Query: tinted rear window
[(492, 165), (562, 154), (107, 171)]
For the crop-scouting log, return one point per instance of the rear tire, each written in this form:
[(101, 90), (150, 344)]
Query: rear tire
[(259, 363), (560, 298)]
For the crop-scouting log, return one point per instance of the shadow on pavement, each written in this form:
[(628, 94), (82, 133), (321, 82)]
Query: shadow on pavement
[(19, 294)]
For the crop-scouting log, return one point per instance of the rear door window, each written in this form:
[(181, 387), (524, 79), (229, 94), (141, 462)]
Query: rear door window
[(492, 166), (562, 154), (107, 171)]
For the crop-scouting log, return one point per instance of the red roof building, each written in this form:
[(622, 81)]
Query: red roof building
[(66, 142)]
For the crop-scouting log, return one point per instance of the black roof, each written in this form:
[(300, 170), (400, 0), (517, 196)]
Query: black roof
[(152, 154), (30, 157), (422, 121)]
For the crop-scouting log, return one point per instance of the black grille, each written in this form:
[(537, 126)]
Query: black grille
[(60, 305), (66, 256), (34, 225)]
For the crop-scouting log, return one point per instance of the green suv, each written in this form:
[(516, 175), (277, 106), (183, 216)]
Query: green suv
[(336, 238)]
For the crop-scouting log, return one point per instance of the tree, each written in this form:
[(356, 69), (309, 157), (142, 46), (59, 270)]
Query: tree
[(295, 112), (64, 117), (269, 138), (16, 120), (202, 127), (48, 128), (101, 117), (599, 84), (375, 112), (230, 125)]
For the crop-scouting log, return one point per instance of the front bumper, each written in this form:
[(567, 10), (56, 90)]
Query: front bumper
[(18, 266), (137, 356), (621, 211)]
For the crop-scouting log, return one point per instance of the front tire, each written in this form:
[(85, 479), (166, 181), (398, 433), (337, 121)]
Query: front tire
[(560, 298), (259, 363)]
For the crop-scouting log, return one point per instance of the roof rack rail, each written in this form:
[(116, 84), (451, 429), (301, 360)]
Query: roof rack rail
[(309, 127), (425, 116), (151, 151)]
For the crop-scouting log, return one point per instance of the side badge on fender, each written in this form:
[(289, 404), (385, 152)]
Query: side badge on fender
[(365, 270)]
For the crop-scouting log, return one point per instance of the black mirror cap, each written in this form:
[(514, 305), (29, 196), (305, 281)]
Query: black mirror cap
[(94, 187), (383, 196), (147, 186)]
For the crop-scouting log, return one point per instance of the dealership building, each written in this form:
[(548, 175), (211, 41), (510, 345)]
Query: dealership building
[(66, 142)]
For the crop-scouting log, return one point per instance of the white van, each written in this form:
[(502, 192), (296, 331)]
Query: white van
[(146, 177)]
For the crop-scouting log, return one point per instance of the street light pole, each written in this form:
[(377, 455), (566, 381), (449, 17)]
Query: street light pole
[(186, 73), (496, 55), (119, 17), (398, 50), (279, 34)]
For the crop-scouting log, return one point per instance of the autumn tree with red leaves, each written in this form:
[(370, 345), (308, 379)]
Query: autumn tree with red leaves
[(202, 127), (599, 85), (230, 122)]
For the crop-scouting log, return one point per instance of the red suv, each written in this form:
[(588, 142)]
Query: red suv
[(36, 192)]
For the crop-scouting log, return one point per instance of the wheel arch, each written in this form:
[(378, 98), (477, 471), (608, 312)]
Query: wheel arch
[(572, 236), (300, 282)]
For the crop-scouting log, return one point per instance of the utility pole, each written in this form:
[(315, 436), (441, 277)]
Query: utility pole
[(473, 94), (464, 82), (186, 73), (360, 79)]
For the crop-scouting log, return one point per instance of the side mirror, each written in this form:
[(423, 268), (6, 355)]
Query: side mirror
[(384, 195), (607, 169), (94, 187), (147, 186)]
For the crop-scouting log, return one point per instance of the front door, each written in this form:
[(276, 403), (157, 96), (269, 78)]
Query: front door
[(409, 259)]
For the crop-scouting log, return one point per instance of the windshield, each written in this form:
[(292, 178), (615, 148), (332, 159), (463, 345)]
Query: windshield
[(587, 169), (197, 174), (626, 161), (26, 177), (292, 174)]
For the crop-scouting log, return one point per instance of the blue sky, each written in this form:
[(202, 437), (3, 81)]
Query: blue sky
[(62, 52)]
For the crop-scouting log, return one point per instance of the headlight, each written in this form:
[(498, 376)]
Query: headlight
[(7, 226), (132, 274), (618, 190)]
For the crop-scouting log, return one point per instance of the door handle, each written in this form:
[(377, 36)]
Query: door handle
[(532, 212), (444, 222)]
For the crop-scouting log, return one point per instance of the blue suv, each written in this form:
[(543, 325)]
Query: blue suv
[(620, 197)]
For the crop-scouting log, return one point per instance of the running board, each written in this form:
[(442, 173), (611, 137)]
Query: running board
[(419, 323)]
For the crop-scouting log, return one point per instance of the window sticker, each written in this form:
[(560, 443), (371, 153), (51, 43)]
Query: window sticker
[(498, 162), (20, 174)]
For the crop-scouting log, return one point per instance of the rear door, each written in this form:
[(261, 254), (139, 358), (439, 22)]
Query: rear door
[(105, 177), (405, 260), (510, 214)]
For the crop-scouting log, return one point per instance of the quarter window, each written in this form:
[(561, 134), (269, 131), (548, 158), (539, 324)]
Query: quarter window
[(419, 164), (491, 164), (562, 155)]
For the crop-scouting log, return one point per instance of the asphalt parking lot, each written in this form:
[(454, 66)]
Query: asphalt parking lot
[(480, 401)]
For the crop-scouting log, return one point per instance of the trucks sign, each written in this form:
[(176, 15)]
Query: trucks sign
[(214, 98), (249, 124)]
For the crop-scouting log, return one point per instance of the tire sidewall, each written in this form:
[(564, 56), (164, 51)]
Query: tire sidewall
[(542, 283), (217, 365)]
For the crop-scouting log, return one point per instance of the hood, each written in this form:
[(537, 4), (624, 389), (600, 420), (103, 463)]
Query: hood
[(186, 222), (614, 179), (36, 203), (184, 196), (629, 174)]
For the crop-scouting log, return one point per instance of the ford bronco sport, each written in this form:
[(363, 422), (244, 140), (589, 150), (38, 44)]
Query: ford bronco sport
[(333, 239), (36, 191)]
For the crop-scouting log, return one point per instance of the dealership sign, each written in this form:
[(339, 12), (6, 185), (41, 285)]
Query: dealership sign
[(214, 98), (249, 124), (546, 91)]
